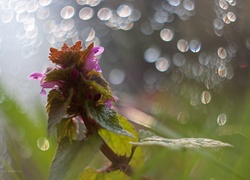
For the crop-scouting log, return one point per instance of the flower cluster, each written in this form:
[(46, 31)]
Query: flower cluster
[(77, 88), (77, 69)]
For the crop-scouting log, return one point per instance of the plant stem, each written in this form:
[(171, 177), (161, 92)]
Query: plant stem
[(108, 152), (118, 162)]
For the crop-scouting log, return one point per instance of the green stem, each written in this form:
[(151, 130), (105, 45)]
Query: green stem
[(108, 152), (118, 162)]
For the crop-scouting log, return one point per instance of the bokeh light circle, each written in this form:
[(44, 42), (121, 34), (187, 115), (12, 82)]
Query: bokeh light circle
[(67, 12)]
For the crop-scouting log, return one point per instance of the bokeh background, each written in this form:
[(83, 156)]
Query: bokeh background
[(179, 68)]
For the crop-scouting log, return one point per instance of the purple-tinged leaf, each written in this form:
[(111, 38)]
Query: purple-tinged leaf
[(71, 128), (99, 88), (57, 107)]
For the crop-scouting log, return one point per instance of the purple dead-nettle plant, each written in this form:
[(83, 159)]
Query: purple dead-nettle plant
[(80, 108)]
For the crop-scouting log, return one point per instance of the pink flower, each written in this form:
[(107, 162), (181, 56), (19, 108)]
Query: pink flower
[(91, 61), (40, 76), (110, 103), (72, 63), (36, 76)]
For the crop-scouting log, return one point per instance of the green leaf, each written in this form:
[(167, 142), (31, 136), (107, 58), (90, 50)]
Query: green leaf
[(58, 75), (121, 144), (191, 143), (72, 128), (99, 88), (52, 94), (108, 119), (57, 107), (91, 174), (97, 77), (72, 157)]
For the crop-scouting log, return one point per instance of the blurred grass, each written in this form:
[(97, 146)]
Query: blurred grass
[(225, 163), (21, 134)]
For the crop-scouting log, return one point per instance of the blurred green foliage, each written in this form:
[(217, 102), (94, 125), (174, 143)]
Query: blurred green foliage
[(225, 163), (26, 158)]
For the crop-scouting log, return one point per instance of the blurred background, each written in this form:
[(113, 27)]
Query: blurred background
[(179, 68)]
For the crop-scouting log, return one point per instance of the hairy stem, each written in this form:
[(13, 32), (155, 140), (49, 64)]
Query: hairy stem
[(118, 162)]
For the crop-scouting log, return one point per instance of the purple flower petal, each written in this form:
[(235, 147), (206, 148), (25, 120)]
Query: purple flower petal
[(36, 76), (97, 50), (110, 103), (50, 84), (91, 63), (116, 98), (98, 68), (43, 92)]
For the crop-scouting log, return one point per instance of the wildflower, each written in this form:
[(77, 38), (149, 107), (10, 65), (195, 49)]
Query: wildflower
[(80, 105), (40, 76), (91, 61), (110, 102), (77, 69)]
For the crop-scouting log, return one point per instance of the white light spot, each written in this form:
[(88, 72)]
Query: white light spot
[(182, 45), (116, 76), (32, 33), (222, 71), (86, 13), (67, 24), (91, 35), (205, 97), (20, 6), (31, 6), (151, 54), (81, 2), (222, 53), (104, 14), (43, 13), (223, 4), (7, 16), (231, 16), (44, 2), (43, 144), (166, 34), (92, 2), (188, 5), (222, 119), (124, 11), (162, 64), (195, 46), (67, 12), (174, 2)]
